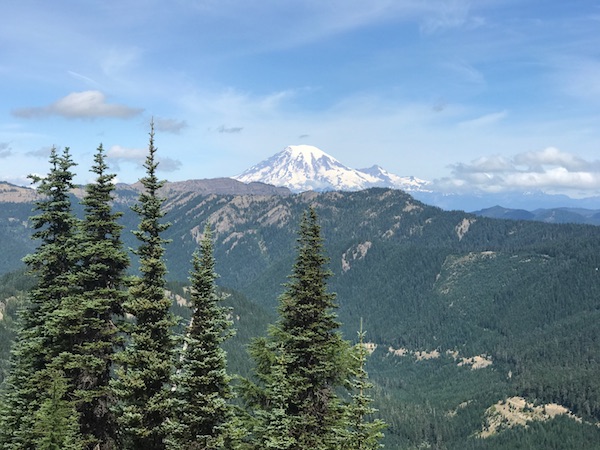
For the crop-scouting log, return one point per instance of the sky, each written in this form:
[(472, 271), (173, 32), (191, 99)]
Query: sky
[(485, 95)]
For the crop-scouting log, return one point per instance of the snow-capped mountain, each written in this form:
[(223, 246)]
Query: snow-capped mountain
[(304, 167)]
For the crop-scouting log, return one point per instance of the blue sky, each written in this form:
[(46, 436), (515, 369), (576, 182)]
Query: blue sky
[(485, 95)]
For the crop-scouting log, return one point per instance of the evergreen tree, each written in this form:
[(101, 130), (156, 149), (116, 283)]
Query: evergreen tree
[(53, 265), (82, 325), (274, 426), (143, 384), (361, 433), (202, 386), (304, 360), (56, 422)]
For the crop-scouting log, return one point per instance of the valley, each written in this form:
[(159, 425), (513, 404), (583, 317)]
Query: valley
[(461, 312)]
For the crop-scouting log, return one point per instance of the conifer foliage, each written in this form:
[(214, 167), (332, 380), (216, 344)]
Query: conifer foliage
[(143, 384), (363, 434), (202, 386), (56, 425), (304, 361), (54, 265), (99, 304), (82, 326)]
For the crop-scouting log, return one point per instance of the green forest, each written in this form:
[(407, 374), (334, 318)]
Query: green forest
[(106, 347)]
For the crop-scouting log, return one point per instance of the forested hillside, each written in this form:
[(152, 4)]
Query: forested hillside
[(462, 312)]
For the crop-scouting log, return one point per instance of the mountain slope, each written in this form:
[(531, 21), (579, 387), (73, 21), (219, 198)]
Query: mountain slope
[(437, 291)]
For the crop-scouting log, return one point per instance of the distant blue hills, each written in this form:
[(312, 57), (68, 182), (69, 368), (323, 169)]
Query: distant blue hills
[(551, 215)]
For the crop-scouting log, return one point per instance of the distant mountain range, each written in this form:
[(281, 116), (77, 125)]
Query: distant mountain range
[(301, 168), (307, 168), (551, 215)]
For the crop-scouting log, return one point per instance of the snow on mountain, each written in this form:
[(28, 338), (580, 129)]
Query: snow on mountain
[(304, 167), (391, 180)]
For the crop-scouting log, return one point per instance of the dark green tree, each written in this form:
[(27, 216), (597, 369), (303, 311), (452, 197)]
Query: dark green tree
[(273, 426), (56, 421), (304, 361), (53, 264), (362, 432), (83, 324), (202, 410), (143, 385)]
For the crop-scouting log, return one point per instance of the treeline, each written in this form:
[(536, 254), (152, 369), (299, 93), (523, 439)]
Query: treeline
[(97, 364)]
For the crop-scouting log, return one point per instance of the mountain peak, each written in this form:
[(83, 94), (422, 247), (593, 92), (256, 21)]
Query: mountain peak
[(305, 151), (306, 167)]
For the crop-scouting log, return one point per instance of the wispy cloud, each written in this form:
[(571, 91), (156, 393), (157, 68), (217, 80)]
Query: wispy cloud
[(117, 60), (447, 14), (291, 24), (169, 125), (80, 105), (488, 164), (466, 72), (580, 78), (87, 80), (42, 152), (5, 150), (118, 155), (485, 120), (229, 130)]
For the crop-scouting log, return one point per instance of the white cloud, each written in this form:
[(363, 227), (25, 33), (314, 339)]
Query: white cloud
[(118, 154), (554, 178), (536, 161), (549, 170), (80, 105)]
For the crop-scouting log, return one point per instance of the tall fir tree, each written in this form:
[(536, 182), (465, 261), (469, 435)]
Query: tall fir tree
[(53, 263), (202, 411), (83, 325), (143, 384), (304, 361)]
